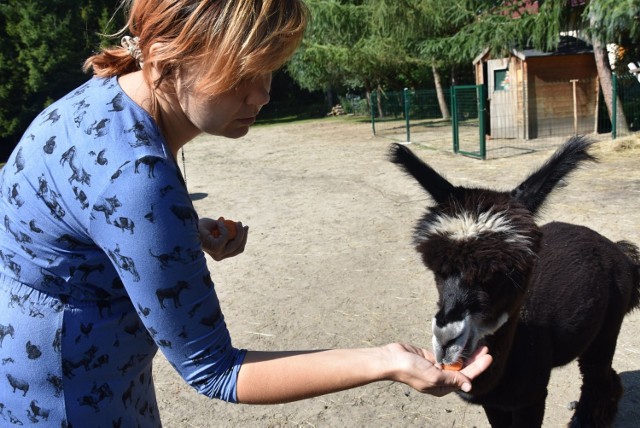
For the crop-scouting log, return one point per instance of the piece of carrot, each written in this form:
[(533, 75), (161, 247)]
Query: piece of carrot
[(457, 366), (231, 227)]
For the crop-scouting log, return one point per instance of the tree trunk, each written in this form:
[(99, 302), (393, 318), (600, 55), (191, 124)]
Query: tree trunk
[(442, 102), (328, 98), (379, 99), (606, 82)]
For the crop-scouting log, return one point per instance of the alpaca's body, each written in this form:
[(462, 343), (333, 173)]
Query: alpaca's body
[(581, 287), (538, 296)]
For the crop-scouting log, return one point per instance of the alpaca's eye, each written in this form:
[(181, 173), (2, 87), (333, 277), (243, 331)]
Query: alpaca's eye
[(483, 298)]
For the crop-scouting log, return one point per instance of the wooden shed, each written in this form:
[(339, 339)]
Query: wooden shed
[(534, 94)]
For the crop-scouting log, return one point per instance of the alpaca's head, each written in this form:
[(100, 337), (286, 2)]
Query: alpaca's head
[(481, 246)]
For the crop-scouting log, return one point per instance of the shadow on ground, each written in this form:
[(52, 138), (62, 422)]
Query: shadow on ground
[(629, 408), (198, 196)]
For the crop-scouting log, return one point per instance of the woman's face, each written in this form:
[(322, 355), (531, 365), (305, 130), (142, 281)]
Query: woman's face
[(229, 114)]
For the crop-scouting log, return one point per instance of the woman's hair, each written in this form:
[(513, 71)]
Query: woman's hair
[(224, 41)]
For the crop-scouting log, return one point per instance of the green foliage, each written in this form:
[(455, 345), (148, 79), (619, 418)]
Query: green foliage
[(43, 44), (327, 53), (356, 44), (350, 44), (368, 43), (616, 19), (498, 26), (616, 22), (354, 105)]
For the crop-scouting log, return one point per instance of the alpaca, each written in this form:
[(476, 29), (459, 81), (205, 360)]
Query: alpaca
[(538, 297)]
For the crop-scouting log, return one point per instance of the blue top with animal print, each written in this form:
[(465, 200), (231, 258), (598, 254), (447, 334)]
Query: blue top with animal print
[(101, 265)]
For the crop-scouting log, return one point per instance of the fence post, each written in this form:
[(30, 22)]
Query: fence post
[(481, 118), (614, 107), (454, 119), (575, 105), (406, 95), (372, 102)]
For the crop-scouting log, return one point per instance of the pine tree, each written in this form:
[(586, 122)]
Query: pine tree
[(43, 46)]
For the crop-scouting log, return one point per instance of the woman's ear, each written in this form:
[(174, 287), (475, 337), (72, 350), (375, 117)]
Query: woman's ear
[(154, 58), (156, 49), (163, 74)]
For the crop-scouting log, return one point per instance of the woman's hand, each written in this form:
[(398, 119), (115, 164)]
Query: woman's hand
[(222, 247), (417, 368)]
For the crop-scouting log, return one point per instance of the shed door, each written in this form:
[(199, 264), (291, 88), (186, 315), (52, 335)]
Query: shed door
[(502, 99)]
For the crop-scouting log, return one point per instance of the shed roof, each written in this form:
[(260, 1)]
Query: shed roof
[(568, 45)]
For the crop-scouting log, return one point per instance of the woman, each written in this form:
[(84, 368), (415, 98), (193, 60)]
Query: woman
[(102, 249)]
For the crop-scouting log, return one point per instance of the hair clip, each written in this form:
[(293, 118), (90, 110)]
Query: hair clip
[(131, 45)]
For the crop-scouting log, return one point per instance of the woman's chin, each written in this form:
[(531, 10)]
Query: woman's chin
[(236, 132)]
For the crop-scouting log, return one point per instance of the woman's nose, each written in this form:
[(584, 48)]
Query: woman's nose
[(258, 97), (259, 91)]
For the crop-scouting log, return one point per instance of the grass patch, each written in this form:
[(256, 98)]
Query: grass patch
[(300, 119), (284, 119)]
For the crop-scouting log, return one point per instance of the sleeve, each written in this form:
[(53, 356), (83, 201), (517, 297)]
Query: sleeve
[(156, 249)]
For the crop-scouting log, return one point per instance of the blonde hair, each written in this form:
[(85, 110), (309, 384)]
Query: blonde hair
[(228, 41)]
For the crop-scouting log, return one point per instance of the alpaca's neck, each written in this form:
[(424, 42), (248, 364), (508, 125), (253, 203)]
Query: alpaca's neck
[(500, 345)]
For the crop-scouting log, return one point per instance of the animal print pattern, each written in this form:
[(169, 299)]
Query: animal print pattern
[(101, 266)]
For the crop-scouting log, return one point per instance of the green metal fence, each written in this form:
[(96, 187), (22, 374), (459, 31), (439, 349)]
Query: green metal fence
[(627, 88), (468, 126), (534, 116), (412, 115)]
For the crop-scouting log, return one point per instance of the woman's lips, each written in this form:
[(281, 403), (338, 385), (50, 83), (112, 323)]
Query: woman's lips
[(247, 121)]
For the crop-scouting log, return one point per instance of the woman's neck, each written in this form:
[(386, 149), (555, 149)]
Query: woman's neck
[(176, 127)]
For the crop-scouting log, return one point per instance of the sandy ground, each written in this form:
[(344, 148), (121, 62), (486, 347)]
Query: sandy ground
[(329, 263)]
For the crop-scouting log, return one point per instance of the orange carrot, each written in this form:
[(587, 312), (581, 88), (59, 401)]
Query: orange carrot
[(231, 226), (457, 366)]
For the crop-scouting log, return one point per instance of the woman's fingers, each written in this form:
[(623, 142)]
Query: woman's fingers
[(478, 363), (215, 238)]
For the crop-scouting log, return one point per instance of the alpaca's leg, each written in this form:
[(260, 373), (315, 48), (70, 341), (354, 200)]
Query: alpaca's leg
[(498, 418), (525, 417), (601, 386), (599, 398), (530, 416)]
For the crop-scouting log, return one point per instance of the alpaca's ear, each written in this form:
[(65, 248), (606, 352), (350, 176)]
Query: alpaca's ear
[(534, 190), (438, 187)]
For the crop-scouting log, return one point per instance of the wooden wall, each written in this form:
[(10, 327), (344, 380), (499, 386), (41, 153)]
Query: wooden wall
[(540, 99), (552, 108)]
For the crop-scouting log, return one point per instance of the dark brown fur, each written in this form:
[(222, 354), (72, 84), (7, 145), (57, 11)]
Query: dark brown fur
[(565, 287)]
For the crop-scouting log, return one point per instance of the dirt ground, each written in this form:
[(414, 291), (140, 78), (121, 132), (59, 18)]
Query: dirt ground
[(330, 263)]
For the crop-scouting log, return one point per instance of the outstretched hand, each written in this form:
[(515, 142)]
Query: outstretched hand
[(222, 246), (284, 376), (417, 368)]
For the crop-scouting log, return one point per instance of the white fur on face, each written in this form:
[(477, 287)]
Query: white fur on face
[(459, 339), (454, 335), (466, 226)]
